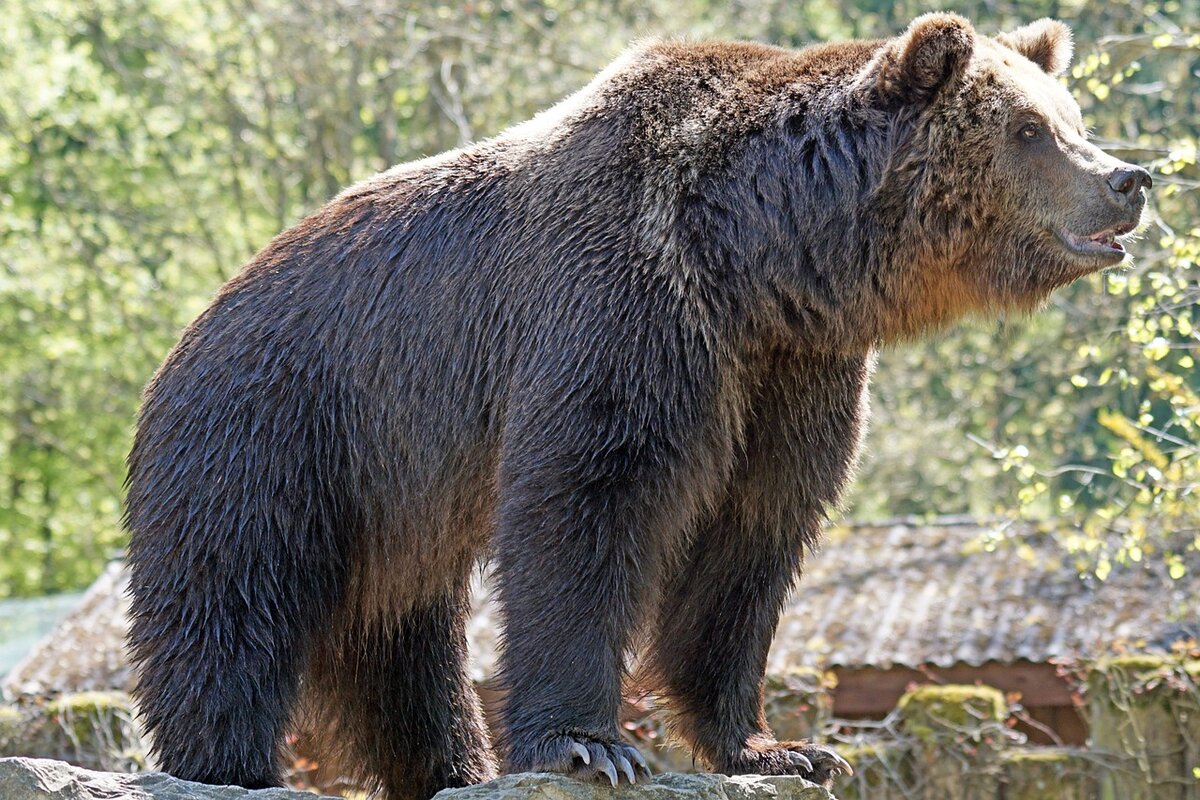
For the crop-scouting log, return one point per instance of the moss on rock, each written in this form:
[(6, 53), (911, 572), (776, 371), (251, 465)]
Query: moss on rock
[(1135, 662), (95, 730), (931, 712), (1143, 712), (798, 704), (11, 724), (90, 703), (1048, 773)]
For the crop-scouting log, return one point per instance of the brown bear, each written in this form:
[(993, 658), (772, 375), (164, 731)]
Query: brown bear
[(622, 351)]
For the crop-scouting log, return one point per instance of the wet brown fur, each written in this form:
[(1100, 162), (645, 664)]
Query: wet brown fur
[(621, 350)]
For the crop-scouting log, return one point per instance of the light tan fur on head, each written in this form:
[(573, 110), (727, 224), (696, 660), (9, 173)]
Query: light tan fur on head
[(1046, 43), (934, 51), (994, 189)]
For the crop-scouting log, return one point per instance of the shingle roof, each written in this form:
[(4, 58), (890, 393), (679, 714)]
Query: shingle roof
[(960, 592), (879, 596)]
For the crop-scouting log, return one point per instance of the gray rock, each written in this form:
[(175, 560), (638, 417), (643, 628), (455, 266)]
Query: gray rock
[(670, 786), (43, 779)]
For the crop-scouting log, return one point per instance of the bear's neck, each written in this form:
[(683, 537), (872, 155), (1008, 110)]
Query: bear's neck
[(801, 228), (847, 256)]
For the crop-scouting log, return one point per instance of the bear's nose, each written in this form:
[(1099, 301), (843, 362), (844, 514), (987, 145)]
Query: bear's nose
[(1128, 180)]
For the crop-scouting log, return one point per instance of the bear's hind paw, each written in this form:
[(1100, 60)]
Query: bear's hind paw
[(813, 762)]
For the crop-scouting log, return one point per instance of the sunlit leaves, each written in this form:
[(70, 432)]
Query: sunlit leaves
[(148, 147)]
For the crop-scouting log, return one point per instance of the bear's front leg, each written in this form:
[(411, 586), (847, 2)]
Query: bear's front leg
[(710, 652), (593, 491), (720, 609)]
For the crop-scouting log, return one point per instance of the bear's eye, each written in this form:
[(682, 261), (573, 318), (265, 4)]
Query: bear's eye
[(1031, 132)]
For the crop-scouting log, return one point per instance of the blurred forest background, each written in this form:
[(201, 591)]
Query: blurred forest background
[(149, 147)]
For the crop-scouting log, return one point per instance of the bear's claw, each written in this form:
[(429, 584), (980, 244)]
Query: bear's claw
[(825, 764), (610, 760), (626, 768), (587, 758), (813, 762), (799, 760)]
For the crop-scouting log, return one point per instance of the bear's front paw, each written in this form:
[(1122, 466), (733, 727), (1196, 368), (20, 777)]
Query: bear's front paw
[(813, 762), (581, 756)]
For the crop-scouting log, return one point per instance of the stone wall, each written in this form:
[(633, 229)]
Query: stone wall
[(956, 742), (96, 730)]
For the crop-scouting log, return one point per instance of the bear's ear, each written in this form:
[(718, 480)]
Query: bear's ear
[(1046, 43), (932, 53)]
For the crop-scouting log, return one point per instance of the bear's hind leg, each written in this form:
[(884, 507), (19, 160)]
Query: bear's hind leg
[(395, 697), (219, 649)]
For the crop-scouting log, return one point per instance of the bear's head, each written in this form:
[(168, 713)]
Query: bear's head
[(990, 185)]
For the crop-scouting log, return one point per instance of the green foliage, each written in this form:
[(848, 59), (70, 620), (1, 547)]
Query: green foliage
[(149, 147)]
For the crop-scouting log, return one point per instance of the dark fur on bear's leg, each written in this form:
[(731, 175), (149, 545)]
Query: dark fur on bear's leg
[(713, 680), (218, 700), (561, 715), (220, 658), (720, 611), (395, 698), (588, 503), (230, 575)]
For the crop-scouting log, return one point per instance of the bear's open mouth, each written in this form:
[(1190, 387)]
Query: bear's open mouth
[(1102, 243)]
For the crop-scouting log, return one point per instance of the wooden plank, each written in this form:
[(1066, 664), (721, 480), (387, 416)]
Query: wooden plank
[(874, 692)]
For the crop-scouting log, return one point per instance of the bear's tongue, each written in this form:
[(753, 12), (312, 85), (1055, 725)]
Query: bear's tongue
[(1101, 241), (1108, 239)]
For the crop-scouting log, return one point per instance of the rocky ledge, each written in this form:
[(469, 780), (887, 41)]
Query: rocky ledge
[(42, 779), (668, 786)]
